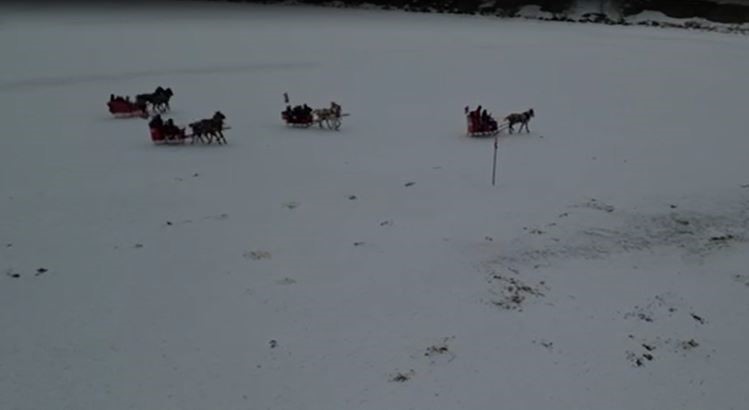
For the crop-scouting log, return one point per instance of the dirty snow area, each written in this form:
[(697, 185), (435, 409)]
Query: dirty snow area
[(374, 267)]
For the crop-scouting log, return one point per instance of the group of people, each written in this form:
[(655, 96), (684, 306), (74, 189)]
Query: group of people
[(120, 100), (113, 98), (481, 120), (167, 129), (300, 113)]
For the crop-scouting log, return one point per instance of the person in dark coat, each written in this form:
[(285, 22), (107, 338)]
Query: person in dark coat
[(171, 130), (156, 122)]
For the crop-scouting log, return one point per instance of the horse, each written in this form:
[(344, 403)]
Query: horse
[(209, 127), (159, 99), (332, 114), (522, 118)]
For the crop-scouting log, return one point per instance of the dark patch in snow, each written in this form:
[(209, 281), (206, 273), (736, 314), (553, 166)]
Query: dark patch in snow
[(440, 350), (273, 344), (291, 204), (688, 344), (352, 197), (358, 243), (138, 245), (660, 305), (548, 345), (401, 377), (697, 234), (257, 255), (595, 204), (669, 345), (511, 293), (409, 184), (286, 281), (742, 279), (387, 222), (720, 238)]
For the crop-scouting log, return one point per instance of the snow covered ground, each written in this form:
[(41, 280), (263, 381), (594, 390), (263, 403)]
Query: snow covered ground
[(375, 267)]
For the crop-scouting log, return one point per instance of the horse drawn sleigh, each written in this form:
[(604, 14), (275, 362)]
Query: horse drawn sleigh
[(480, 123), (205, 130), (304, 116), (142, 106)]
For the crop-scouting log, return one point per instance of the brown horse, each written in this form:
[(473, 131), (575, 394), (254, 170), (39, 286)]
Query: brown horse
[(209, 127)]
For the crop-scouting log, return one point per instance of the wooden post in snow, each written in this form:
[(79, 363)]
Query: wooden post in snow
[(494, 165)]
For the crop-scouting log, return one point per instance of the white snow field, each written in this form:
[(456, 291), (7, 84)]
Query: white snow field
[(375, 267)]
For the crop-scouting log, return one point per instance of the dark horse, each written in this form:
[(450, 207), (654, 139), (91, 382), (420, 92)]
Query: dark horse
[(522, 118), (209, 127), (158, 99)]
